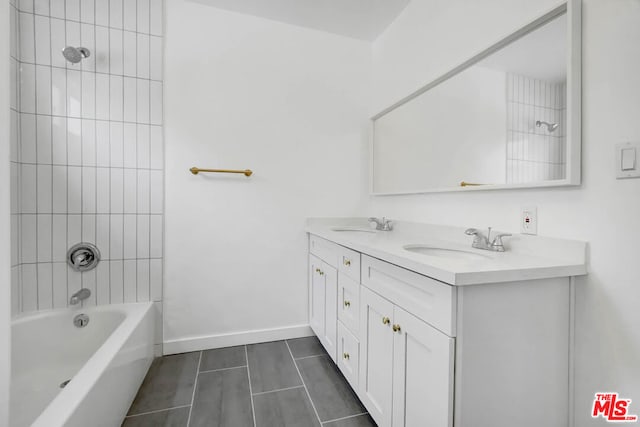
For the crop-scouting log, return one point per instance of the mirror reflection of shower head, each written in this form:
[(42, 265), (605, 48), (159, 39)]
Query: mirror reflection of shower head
[(550, 126), (75, 54)]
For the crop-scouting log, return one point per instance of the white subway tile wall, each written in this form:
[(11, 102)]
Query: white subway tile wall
[(534, 153), (87, 152)]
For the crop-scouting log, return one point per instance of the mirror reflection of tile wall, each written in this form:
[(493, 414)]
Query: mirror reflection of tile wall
[(534, 153)]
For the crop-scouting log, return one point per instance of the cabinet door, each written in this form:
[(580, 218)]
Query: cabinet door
[(376, 356), (330, 340), (422, 374), (316, 296)]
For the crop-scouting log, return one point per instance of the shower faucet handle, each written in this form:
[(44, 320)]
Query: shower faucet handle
[(83, 256)]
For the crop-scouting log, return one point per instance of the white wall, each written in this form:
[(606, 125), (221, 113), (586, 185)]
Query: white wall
[(289, 103), (412, 149), (432, 35), (5, 256)]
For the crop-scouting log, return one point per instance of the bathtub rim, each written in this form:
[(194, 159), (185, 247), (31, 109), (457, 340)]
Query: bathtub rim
[(27, 316), (62, 407)]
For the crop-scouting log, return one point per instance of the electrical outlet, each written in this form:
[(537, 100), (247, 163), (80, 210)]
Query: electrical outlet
[(529, 220)]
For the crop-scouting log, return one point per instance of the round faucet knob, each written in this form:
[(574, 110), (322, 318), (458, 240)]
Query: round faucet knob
[(83, 256)]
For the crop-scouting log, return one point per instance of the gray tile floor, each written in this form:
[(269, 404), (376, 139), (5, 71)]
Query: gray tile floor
[(290, 383)]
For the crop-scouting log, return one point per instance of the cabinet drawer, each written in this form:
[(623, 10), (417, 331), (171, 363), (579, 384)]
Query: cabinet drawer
[(348, 355), (349, 263), (349, 303), (430, 300), (327, 251)]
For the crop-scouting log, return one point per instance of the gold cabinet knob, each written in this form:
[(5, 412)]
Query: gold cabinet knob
[(345, 356), (317, 270), (347, 262), (386, 320), (321, 273), (396, 328), (347, 303)]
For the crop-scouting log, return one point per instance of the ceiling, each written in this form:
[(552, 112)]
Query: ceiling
[(360, 19)]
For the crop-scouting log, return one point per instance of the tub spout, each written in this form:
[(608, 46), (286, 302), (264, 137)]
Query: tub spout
[(82, 294)]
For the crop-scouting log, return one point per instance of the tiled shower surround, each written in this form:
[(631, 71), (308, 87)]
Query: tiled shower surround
[(533, 153), (87, 150)]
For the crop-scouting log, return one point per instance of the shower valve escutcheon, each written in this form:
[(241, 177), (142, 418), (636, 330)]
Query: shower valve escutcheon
[(83, 257)]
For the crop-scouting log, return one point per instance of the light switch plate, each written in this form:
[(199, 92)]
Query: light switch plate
[(627, 158)]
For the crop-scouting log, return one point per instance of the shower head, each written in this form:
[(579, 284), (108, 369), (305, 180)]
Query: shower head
[(550, 126), (75, 54)]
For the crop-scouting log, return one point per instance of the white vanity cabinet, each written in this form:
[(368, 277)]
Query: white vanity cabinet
[(423, 353)]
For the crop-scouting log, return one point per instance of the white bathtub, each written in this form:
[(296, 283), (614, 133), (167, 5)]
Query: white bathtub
[(106, 360)]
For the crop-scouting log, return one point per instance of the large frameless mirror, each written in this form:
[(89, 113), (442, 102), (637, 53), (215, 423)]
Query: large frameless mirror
[(509, 117)]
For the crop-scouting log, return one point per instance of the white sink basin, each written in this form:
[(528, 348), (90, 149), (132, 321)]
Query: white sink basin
[(353, 229), (458, 254)]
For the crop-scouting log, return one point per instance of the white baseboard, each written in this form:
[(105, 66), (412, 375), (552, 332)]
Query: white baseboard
[(207, 342)]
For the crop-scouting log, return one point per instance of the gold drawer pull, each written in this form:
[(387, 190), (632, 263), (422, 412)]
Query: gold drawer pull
[(386, 320), (347, 262), (396, 328), (347, 303), (321, 273), (345, 356)]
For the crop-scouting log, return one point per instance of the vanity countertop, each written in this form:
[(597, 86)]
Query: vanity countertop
[(526, 257)]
